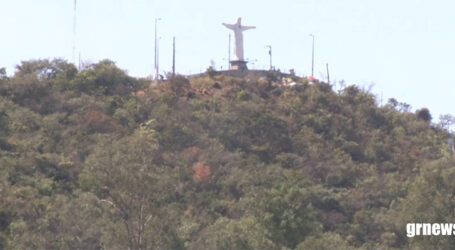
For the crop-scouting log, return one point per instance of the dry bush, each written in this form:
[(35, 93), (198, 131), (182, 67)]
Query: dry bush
[(95, 120), (202, 172)]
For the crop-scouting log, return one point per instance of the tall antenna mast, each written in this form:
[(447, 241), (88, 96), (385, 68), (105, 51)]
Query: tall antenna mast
[(173, 56), (74, 34), (156, 73)]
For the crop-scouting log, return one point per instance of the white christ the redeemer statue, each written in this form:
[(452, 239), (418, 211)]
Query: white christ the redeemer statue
[(238, 34)]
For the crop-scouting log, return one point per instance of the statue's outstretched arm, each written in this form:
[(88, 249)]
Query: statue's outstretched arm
[(229, 26), (248, 27)]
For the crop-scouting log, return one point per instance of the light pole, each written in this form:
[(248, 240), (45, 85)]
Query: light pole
[(156, 48), (312, 56), (229, 52), (270, 54), (74, 33), (158, 58)]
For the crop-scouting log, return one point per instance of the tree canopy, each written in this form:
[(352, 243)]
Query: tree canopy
[(95, 158)]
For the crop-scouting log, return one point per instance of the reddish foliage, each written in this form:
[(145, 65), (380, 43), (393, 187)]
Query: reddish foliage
[(202, 172), (140, 93), (187, 212), (192, 150)]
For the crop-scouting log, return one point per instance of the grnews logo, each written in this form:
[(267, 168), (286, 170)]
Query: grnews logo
[(428, 229)]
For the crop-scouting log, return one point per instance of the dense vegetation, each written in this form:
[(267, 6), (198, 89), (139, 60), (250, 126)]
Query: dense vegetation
[(95, 159)]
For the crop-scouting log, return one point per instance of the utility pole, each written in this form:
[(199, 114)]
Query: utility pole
[(312, 56), (328, 76), (270, 54), (156, 48), (173, 56)]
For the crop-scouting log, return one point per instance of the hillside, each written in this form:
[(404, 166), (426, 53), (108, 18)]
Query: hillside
[(96, 159)]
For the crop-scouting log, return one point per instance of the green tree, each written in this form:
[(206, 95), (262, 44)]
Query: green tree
[(324, 241), (123, 176), (105, 78), (45, 69), (424, 114), (430, 200), (287, 214), (225, 233)]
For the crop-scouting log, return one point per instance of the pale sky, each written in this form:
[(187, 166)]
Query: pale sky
[(404, 49)]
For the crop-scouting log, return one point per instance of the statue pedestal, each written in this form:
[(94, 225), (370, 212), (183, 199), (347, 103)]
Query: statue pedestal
[(238, 65)]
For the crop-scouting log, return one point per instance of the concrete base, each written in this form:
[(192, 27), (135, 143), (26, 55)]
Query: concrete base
[(238, 65), (239, 73)]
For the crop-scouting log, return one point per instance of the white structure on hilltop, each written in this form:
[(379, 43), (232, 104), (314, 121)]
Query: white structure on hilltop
[(239, 62)]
